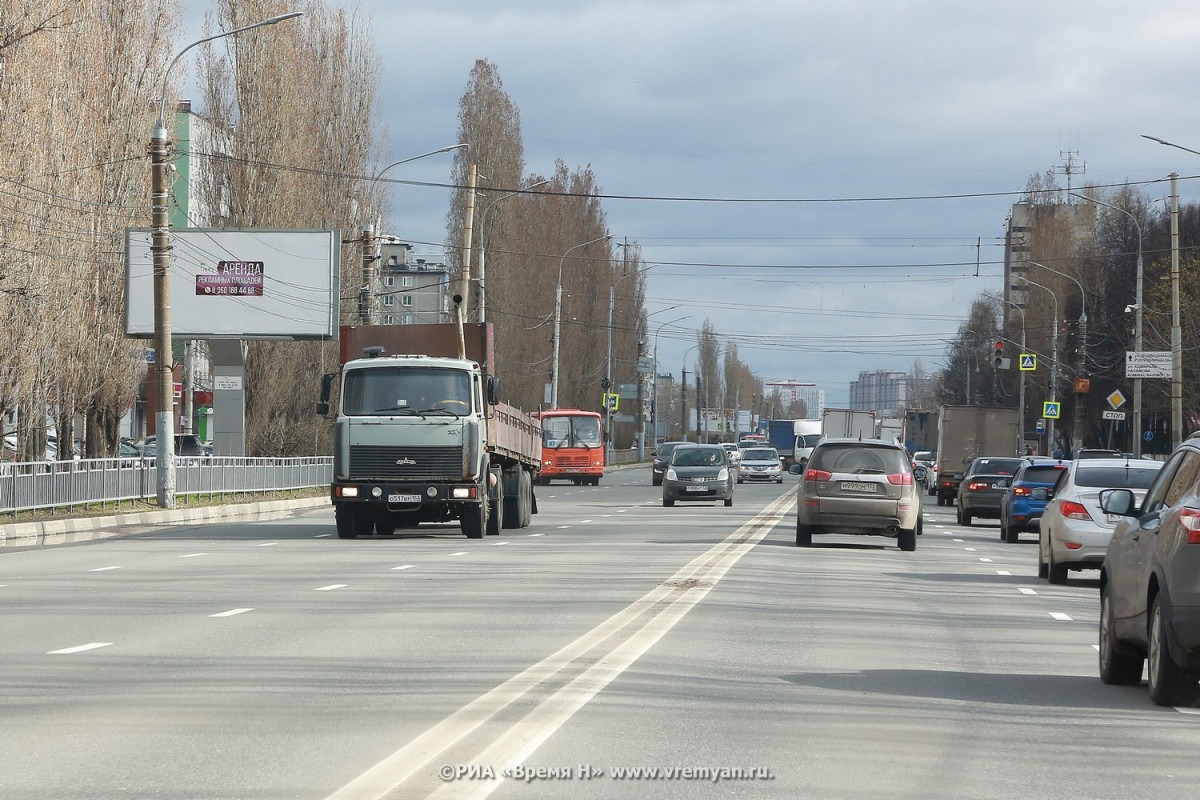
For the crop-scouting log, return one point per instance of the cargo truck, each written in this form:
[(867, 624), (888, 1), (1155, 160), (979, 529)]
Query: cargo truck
[(808, 433), (966, 433), (890, 429), (781, 433), (839, 423), (920, 430), (420, 434)]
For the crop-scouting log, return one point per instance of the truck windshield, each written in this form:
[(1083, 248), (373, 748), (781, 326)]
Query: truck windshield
[(406, 391), (565, 431)]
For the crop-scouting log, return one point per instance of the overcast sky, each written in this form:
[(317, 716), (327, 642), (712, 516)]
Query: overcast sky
[(846, 167)]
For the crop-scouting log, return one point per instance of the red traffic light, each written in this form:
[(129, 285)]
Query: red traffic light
[(999, 346)]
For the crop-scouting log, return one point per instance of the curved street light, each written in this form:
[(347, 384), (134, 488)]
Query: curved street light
[(1021, 385), (1053, 356), (483, 244), (366, 294), (558, 315), (1080, 357), (654, 398), (160, 248), (1137, 322)]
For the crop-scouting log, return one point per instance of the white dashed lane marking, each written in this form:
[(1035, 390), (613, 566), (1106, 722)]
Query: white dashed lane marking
[(79, 648), (233, 612)]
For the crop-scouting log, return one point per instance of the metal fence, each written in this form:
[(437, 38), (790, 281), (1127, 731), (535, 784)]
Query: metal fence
[(28, 486)]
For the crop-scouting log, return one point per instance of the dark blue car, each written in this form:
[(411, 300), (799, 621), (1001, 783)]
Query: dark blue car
[(1020, 510)]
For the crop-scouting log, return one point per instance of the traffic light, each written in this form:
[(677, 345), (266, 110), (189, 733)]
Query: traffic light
[(999, 355)]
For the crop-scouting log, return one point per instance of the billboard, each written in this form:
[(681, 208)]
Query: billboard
[(237, 283)]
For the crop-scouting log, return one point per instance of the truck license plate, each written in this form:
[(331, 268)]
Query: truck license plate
[(404, 498), (856, 486)]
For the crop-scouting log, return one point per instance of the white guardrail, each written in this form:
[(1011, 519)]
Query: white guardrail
[(29, 486)]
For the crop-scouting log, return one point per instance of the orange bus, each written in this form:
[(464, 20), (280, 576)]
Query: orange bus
[(572, 446)]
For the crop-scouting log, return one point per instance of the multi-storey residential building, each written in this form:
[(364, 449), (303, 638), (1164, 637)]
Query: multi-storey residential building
[(413, 288), (887, 392)]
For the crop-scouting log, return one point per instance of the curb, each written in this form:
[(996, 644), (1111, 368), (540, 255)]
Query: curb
[(83, 529)]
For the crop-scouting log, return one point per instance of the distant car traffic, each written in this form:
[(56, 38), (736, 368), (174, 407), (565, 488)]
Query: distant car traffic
[(735, 454), (1149, 591), (698, 472), (983, 487), (1020, 510), (760, 464), (859, 487), (1074, 530), (662, 457)]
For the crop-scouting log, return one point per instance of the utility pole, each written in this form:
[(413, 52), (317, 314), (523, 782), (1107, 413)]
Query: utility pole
[(683, 426), (1176, 335), (366, 291)]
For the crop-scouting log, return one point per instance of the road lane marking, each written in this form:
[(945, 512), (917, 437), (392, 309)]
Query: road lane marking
[(194, 555), (79, 649), (233, 612), (404, 566), (102, 569), (987, 560), (1003, 572), (331, 587), (322, 535), (532, 535), (267, 544), (500, 544), (598, 656), (460, 553), (1058, 615), (1024, 590), (968, 549)]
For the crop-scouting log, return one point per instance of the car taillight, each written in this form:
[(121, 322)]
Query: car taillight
[(1072, 510), (1023, 491), (976, 486), (900, 479), (817, 475), (1189, 518)]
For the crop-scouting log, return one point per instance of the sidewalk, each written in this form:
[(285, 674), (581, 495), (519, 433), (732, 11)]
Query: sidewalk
[(82, 529)]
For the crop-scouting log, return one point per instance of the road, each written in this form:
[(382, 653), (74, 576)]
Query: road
[(271, 660)]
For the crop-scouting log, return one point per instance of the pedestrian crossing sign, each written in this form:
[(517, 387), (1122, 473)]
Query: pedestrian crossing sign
[(1028, 362), (1050, 410)]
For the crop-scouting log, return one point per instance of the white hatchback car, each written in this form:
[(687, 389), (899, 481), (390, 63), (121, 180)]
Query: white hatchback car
[(1074, 531)]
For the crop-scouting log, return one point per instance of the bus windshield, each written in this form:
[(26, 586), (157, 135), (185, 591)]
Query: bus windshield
[(564, 431)]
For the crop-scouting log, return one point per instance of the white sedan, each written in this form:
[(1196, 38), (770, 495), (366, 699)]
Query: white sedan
[(1074, 531)]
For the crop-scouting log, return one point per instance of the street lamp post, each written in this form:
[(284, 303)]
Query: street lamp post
[(1176, 330), (1080, 358), (1053, 358), (654, 397), (612, 295), (558, 316), (1137, 329), (1021, 389), (366, 294), (683, 397), (483, 244), (160, 249)]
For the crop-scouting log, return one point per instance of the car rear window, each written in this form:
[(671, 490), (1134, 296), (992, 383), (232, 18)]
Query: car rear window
[(856, 458), (1046, 474), (760, 454), (1115, 477), (996, 466)]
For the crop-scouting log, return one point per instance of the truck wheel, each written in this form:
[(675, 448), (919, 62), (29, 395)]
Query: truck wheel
[(525, 495), (495, 520), (474, 519), (352, 522), (511, 481)]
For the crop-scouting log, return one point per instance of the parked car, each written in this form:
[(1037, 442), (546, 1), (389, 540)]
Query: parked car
[(186, 444), (662, 457), (859, 487), (1149, 587), (1020, 510), (760, 464), (1074, 531), (698, 472), (983, 487)]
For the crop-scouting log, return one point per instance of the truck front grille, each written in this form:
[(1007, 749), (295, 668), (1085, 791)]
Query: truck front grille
[(383, 463)]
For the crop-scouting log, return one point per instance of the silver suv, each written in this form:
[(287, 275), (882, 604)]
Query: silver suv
[(862, 487)]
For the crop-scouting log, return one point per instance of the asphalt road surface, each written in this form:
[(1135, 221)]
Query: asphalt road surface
[(614, 649)]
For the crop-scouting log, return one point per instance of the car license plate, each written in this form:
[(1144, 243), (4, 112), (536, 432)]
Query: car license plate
[(857, 486), (404, 498), (1113, 518), (696, 489)]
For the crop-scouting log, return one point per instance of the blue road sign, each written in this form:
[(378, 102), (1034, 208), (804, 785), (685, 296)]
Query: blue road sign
[(1041, 426), (1050, 410), (1148, 436)]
